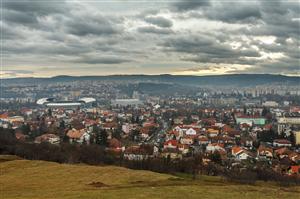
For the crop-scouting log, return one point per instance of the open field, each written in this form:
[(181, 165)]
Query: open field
[(47, 180)]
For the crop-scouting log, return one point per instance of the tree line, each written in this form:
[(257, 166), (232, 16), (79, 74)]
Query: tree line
[(96, 154)]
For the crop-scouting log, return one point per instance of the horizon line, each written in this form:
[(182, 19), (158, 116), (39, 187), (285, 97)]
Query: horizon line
[(162, 74)]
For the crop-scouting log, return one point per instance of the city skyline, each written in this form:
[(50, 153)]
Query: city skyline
[(50, 38)]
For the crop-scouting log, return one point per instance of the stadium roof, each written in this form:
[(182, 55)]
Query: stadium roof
[(52, 102)]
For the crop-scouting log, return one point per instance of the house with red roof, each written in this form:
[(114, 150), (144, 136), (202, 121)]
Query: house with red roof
[(174, 134), (48, 137), (110, 126), (247, 141), (282, 143), (138, 152), (282, 152), (244, 126), (4, 116), (294, 170), (145, 132), (78, 136), (295, 157), (213, 147), (211, 132), (171, 144), (183, 148), (267, 127), (264, 152), (114, 145), (90, 122), (226, 128), (26, 111), (240, 153), (203, 140), (187, 139), (172, 153), (20, 136)]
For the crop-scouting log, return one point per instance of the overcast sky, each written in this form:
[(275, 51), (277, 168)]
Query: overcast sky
[(49, 38)]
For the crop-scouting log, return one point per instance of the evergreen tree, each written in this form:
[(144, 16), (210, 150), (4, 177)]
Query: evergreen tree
[(49, 112), (101, 137), (292, 138), (42, 127), (215, 157), (265, 111), (245, 110), (84, 141), (62, 125), (133, 119), (134, 134), (117, 134), (66, 139), (137, 120), (172, 122), (155, 120), (25, 129), (92, 139)]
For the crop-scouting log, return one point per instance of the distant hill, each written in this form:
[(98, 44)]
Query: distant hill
[(212, 80), (29, 179)]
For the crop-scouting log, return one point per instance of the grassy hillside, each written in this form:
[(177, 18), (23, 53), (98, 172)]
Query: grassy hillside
[(39, 179)]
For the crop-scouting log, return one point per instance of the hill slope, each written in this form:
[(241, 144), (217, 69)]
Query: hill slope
[(210, 80), (39, 179)]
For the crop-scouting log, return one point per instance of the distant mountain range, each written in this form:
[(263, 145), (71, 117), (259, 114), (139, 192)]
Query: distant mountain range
[(211, 80)]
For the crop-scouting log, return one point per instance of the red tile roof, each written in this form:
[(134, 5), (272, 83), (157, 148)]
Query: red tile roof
[(4, 115), (76, 134), (114, 143), (282, 141), (236, 149), (295, 169), (171, 142)]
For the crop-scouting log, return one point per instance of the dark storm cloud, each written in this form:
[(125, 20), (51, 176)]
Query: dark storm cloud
[(154, 30), (235, 13), (225, 11), (27, 12), (207, 50), (55, 29), (68, 32), (100, 26), (265, 18), (184, 5), (36, 7), (283, 65), (101, 60), (278, 7), (19, 47), (19, 17), (159, 21), (279, 19)]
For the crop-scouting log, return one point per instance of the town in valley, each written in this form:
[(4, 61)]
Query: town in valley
[(230, 127)]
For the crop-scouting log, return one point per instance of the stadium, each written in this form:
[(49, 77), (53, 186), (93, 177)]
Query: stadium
[(53, 103)]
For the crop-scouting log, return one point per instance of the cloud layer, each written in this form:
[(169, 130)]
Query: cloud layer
[(46, 38)]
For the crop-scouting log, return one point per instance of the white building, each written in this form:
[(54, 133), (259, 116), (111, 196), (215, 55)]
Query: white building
[(270, 104)]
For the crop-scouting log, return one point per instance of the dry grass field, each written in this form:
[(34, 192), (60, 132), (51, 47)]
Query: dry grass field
[(25, 179)]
